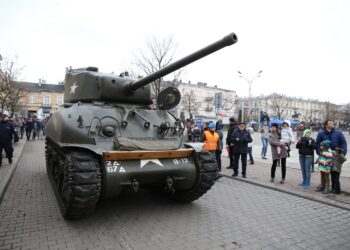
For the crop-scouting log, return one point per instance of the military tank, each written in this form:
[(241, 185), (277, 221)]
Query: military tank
[(106, 138)]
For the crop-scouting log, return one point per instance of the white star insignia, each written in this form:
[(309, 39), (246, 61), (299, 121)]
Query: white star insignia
[(155, 161), (73, 87)]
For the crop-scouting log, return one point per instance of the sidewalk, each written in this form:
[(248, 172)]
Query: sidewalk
[(259, 174), (7, 170)]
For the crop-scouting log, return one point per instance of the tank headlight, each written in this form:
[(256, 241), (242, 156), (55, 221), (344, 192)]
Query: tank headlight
[(108, 131)]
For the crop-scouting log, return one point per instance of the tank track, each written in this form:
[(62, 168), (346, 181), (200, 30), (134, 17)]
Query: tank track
[(76, 179), (208, 174)]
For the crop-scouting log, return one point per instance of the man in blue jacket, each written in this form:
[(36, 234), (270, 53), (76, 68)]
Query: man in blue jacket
[(7, 133), (329, 133)]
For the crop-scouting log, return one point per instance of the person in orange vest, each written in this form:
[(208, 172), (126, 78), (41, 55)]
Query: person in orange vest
[(211, 139)]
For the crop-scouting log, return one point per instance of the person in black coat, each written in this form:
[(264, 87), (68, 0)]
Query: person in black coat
[(29, 127), (7, 133), (231, 127), (239, 139)]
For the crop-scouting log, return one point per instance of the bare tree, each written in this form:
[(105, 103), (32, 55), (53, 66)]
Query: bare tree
[(330, 111), (190, 103), (9, 96), (158, 54), (229, 102), (279, 104)]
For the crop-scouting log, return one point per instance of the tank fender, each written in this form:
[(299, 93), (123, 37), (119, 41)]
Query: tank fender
[(197, 146)]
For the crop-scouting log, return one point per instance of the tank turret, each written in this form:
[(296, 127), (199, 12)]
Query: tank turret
[(90, 85), (106, 138)]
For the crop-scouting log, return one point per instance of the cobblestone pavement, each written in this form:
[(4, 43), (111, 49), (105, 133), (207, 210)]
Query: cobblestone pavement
[(259, 173), (233, 215)]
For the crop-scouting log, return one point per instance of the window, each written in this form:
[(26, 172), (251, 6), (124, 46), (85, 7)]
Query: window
[(32, 99), (47, 101), (59, 100)]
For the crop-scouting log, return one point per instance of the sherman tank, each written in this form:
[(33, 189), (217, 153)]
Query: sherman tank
[(106, 138)]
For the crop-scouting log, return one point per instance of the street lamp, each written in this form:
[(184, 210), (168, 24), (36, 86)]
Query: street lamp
[(250, 90)]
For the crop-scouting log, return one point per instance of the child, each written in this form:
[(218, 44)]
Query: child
[(338, 161), (306, 146), (287, 136), (325, 160)]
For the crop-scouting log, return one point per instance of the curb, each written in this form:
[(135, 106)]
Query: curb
[(11, 168), (305, 196)]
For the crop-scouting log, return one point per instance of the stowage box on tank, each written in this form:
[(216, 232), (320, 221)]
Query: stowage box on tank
[(105, 138)]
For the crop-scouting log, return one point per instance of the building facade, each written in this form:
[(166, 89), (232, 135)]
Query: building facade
[(39, 99), (285, 107), (207, 102)]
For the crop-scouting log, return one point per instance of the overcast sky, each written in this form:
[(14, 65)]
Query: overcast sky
[(302, 46)]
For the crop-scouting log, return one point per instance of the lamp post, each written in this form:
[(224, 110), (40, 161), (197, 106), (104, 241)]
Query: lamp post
[(250, 91)]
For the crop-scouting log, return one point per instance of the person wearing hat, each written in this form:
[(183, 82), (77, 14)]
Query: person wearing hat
[(240, 139), (7, 133), (325, 161), (210, 139), (306, 146)]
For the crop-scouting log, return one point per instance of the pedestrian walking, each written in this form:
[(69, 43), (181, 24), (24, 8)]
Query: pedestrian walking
[(239, 140), (338, 161), (306, 146), (325, 161), (7, 134), (265, 131), (29, 127), (250, 145), (274, 139), (218, 151), (22, 127), (37, 129), (231, 127)]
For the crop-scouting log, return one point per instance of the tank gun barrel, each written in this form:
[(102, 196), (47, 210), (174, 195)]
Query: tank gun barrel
[(226, 41)]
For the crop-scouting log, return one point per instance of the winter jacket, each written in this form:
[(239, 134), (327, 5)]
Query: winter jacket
[(231, 127), (306, 146), (336, 137), (240, 139), (265, 130), (274, 140), (7, 133), (221, 136), (338, 163), (325, 161)]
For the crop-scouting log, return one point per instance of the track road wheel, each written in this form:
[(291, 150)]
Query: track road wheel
[(76, 180), (208, 174)]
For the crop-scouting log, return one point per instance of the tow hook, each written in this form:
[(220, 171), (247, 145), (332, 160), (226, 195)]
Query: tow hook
[(135, 185), (170, 184)]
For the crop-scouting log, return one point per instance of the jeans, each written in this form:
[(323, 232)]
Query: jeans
[(265, 143), (244, 163), (251, 159), (306, 164), (218, 158)]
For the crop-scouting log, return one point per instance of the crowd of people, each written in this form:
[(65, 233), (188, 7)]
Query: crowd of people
[(14, 128), (327, 151)]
